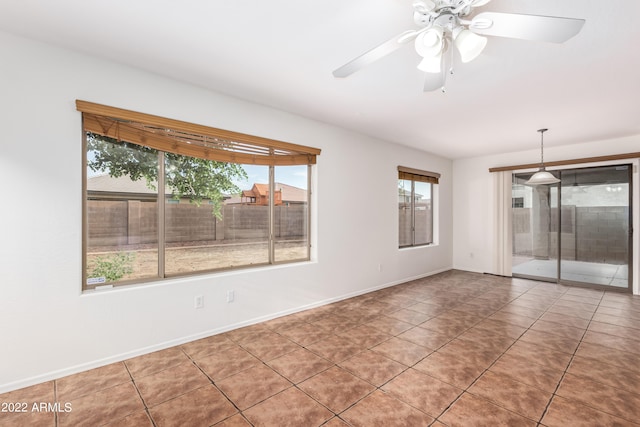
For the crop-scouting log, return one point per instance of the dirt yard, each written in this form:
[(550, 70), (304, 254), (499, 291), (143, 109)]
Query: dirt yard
[(186, 259)]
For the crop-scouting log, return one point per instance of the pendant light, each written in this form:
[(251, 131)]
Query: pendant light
[(542, 176)]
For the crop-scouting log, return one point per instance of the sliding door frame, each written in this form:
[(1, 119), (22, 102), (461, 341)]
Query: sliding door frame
[(632, 259)]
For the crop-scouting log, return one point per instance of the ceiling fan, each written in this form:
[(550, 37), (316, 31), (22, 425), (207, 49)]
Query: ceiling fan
[(443, 23)]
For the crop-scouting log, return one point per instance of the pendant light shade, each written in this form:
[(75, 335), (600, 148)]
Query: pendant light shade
[(542, 176)]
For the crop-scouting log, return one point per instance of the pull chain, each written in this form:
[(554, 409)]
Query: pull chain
[(444, 72)]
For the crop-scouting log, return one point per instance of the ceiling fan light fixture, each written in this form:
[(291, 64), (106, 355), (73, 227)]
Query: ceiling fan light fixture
[(431, 64), (430, 43), (469, 44), (443, 23)]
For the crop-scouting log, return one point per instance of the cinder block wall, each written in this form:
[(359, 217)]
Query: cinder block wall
[(590, 234)]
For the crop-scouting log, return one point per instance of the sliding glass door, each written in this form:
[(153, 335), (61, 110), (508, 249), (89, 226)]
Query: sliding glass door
[(595, 239), (577, 231)]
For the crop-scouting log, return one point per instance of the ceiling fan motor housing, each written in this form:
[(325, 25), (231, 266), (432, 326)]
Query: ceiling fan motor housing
[(444, 16), (447, 20)]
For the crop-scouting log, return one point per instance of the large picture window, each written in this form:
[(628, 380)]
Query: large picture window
[(415, 206), (163, 198)]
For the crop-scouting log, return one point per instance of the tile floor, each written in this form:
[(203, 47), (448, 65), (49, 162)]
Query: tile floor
[(455, 349)]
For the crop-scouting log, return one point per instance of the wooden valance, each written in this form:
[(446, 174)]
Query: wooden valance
[(613, 157), (188, 139), (418, 175)]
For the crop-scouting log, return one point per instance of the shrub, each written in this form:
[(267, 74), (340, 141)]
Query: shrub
[(114, 267)]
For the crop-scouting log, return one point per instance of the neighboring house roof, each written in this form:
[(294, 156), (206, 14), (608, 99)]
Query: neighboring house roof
[(262, 189), (121, 184), (289, 193), (406, 194)]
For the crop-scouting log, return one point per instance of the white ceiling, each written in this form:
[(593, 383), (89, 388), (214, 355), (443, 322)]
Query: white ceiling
[(281, 53)]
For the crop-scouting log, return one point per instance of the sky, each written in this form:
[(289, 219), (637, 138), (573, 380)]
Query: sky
[(290, 175)]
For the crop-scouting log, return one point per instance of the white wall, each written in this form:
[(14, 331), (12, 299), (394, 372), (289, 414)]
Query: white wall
[(50, 329), (474, 199)]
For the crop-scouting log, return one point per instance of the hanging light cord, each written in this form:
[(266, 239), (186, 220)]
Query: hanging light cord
[(542, 131)]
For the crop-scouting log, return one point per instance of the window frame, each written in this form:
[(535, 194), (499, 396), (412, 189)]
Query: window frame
[(245, 149), (416, 175)]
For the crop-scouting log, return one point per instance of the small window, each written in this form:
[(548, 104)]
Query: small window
[(517, 202), (415, 206)]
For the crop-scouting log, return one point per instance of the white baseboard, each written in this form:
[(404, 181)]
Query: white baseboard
[(49, 376)]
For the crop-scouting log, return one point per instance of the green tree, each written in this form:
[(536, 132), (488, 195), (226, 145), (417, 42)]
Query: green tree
[(188, 177)]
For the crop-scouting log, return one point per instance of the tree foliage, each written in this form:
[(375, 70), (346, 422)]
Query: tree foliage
[(186, 177)]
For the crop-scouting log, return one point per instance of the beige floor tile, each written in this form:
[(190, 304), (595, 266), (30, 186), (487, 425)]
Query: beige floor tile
[(206, 346), (91, 381), (227, 362), (402, 351), (252, 386), (201, 407), (513, 395), (534, 374), (614, 401), (422, 391), (269, 346), (170, 383), (299, 365), (564, 412), (291, 408), (383, 410), (104, 406), (373, 367), (472, 411), (335, 348), (155, 362), (336, 388)]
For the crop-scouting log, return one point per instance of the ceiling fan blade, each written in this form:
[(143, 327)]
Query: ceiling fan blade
[(528, 27), (478, 3), (376, 53), (433, 82), (423, 6)]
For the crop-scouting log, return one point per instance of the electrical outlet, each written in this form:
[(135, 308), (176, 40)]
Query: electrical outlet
[(199, 302), (230, 296)]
